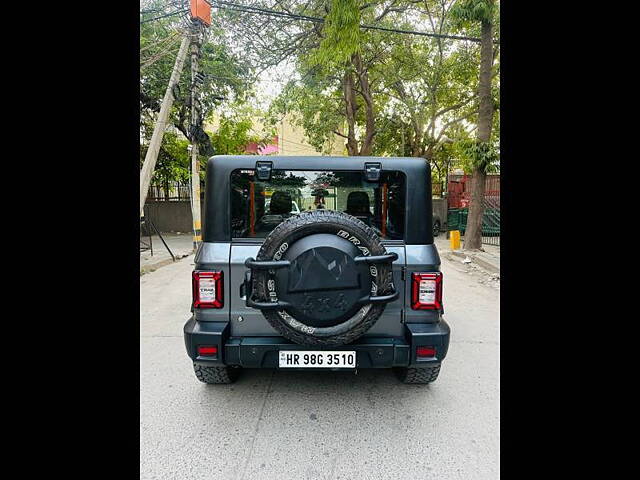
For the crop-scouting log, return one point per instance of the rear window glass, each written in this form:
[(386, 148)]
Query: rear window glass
[(257, 207)]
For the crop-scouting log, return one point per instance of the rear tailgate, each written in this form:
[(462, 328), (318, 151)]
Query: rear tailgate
[(255, 324)]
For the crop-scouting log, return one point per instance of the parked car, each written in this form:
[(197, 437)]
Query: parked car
[(322, 289)]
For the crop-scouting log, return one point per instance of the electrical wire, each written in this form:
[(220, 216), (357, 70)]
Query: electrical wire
[(166, 15), (274, 13)]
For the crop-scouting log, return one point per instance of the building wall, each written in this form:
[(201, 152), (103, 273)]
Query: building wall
[(290, 138), (291, 141), (172, 216)]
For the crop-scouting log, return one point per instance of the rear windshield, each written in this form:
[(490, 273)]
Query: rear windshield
[(257, 207)]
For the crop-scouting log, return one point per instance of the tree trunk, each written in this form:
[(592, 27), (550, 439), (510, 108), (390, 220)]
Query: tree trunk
[(350, 109), (415, 139), (473, 234), (365, 89)]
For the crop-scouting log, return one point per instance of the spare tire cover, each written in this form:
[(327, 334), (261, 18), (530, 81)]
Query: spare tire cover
[(323, 285)]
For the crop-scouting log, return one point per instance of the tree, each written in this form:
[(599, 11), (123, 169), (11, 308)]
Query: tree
[(432, 83), (470, 12), (334, 95), (227, 78), (173, 162), (234, 132), (383, 93)]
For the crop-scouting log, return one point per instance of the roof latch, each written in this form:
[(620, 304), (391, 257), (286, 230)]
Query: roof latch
[(372, 171), (263, 170)]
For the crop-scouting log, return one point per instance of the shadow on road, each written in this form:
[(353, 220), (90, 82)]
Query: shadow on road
[(367, 388)]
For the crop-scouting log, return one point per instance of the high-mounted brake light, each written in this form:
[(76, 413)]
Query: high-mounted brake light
[(426, 291), (207, 290)]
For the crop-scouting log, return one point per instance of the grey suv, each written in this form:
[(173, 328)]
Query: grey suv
[(353, 281)]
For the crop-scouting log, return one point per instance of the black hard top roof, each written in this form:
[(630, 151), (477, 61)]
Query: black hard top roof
[(217, 224), (405, 164)]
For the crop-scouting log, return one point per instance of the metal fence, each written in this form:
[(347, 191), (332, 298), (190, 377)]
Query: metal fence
[(458, 197), (172, 191)]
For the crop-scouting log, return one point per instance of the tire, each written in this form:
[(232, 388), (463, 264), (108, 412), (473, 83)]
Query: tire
[(309, 223), (216, 375), (436, 228), (418, 375)]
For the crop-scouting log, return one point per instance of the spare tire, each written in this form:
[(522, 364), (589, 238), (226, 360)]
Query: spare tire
[(324, 287)]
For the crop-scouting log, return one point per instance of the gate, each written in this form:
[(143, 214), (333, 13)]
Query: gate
[(458, 197)]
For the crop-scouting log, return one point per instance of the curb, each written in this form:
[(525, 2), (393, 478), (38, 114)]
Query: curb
[(478, 260), (162, 263)]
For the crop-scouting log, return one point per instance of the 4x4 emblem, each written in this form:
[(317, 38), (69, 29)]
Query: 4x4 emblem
[(323, 304)]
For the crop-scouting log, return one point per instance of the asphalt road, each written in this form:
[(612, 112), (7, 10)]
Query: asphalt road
[(320, 425)]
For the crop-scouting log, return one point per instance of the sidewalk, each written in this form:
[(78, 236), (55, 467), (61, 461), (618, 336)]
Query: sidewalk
[(181, 245), (488, 260)]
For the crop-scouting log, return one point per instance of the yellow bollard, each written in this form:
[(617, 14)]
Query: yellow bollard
[(454, 238)]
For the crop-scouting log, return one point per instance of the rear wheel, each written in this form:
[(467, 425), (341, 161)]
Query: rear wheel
[(418, 375), (215, 375)]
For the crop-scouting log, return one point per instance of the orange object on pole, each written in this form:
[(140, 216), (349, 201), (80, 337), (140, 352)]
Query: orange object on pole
[(201, 10), (383, 223), (252, 208)]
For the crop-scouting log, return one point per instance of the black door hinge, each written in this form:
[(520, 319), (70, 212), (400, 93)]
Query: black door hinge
[(263, 170), (403, 273), (372, 171)]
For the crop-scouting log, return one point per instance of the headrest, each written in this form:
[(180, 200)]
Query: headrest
[(358, 203), (280, 203)]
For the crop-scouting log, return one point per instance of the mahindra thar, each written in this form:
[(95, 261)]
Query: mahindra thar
[(317, 263)]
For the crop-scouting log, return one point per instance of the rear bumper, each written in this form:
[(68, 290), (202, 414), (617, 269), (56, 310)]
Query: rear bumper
[(262, 352)]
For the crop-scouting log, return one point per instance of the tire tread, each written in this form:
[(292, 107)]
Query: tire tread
[(420, 375), (215, 375)]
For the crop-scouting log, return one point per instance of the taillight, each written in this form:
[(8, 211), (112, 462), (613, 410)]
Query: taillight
[(426, 291), (425, 352), (207, 290), (207, 351)]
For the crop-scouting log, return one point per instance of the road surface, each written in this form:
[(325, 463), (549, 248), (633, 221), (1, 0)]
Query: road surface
[(320, 425)]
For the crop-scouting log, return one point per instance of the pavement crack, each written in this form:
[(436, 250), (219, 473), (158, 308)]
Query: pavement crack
[(255, 431)]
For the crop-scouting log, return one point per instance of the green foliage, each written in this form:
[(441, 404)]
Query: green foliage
[(482, 155), (235, 131), (173, 159), (226, 85), (342, 37), (469, 12), (313, 104), (424, 90), (226, 74), (232, 136)]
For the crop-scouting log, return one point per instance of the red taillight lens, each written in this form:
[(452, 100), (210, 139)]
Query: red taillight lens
[(207, 350), (425, 352), (207, 290), (426, 291)]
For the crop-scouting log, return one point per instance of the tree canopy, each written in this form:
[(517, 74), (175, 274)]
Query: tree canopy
[(375, 92)]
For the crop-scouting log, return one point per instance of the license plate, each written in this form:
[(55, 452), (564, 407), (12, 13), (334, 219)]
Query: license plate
[(317, 359)]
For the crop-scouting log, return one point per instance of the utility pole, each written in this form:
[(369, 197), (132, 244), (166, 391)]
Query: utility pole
[(196, 44), (158, 131)]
